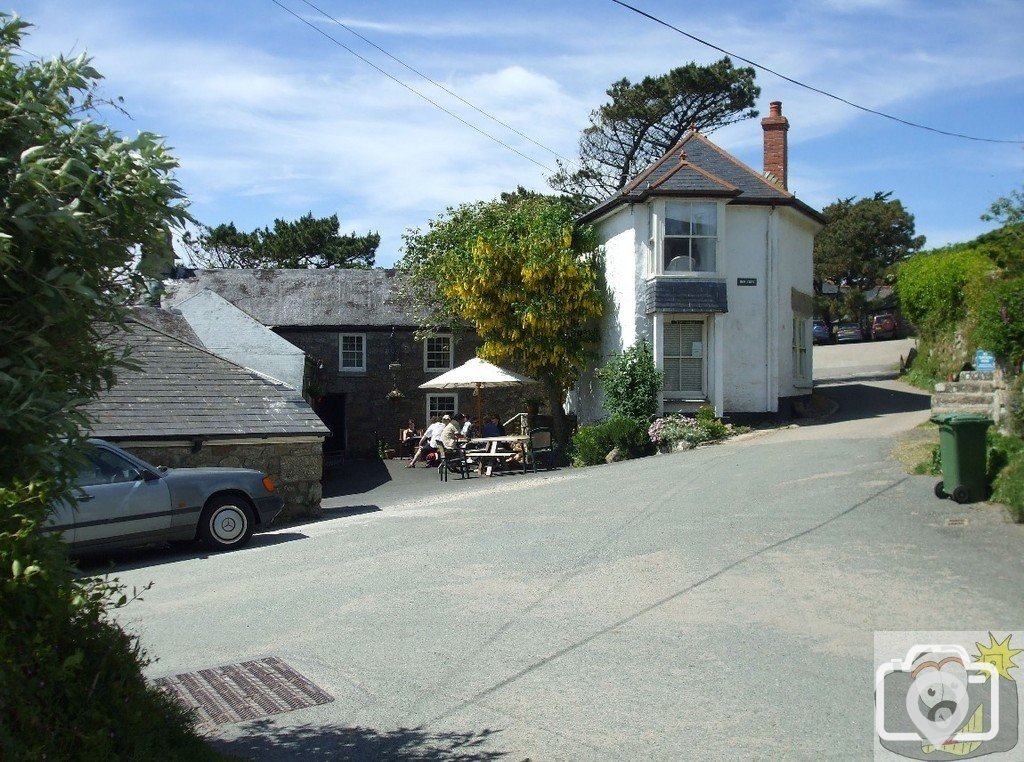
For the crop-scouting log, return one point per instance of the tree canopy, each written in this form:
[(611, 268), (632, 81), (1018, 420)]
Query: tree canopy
[(643, 120), (523, 275), (79, 202), (862, 240), (308, 242)]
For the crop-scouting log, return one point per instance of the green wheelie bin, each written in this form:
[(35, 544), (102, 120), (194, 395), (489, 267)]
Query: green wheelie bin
[(962, 450)]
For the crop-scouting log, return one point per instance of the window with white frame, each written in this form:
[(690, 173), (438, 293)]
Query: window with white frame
[(684, 237), (441, 404), (352, 352), (438, 354), (800, 369), (683, 359)]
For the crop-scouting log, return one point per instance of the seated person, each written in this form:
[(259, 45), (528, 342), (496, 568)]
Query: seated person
[(452, 432), (493, 427), (428, 442), (408, 438)]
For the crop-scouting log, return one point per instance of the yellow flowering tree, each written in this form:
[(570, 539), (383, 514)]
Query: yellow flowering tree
[(524, 275)]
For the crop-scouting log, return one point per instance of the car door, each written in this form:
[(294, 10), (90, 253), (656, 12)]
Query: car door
[(118, 500)]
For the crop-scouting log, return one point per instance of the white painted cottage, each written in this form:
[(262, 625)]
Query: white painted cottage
[(711, 262)]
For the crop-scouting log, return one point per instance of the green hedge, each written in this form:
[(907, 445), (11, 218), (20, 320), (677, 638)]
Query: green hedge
[(591, 444), (934, 288), (999, 320)]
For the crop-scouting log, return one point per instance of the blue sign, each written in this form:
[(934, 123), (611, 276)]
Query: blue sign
[(984, 361)]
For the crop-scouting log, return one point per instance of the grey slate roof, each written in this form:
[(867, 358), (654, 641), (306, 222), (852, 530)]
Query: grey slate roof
[(685, 295), (184, 391), (298, 298), (170, 323), (697, 167)]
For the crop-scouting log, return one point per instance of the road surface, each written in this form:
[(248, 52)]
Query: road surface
[(713, 604)]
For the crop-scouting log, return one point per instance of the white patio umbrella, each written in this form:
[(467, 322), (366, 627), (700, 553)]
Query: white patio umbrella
[(477, 374)]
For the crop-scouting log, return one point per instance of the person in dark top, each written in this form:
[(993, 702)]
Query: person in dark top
[(493, 427)]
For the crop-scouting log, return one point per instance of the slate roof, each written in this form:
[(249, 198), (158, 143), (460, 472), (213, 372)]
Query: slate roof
[(184, 391), (685, 295), (696, 167), (298, 298)]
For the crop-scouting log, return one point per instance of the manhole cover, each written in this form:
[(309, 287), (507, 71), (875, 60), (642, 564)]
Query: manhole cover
[(246, 691), (956, 522)]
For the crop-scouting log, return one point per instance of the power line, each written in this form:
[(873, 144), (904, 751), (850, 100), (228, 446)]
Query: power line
[(436, 84), (811, 87), (413, 90)]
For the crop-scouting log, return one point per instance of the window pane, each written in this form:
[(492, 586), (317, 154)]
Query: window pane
[(704, 254), (676, 219), (439, 355), (684, 356), (352, 352), (677, 255), (441, 404), (703, 219)]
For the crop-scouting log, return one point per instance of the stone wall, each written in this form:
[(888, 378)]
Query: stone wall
[(369, 414), (295, 466)]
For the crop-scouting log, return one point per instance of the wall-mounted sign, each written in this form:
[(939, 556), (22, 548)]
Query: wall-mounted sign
[(746, 281), (984, 361)]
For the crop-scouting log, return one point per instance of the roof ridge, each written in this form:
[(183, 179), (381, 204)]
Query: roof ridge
[(743, 165), (275, 382)]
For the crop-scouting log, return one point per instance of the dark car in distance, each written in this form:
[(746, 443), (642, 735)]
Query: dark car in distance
[(883, 327), (121, 500), (820, 333), (849, 332)]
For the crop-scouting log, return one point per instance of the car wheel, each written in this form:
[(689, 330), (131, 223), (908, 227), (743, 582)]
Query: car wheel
[(227, 523), (940, 493), (961, 494)]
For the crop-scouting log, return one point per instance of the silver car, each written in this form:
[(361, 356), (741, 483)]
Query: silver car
[(122, 500)]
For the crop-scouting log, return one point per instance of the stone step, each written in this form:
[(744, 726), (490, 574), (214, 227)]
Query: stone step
[(976, 375), (965, 386), (975, 409), (962, 398)]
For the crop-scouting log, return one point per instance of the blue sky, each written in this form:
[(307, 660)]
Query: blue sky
[(270, 119)]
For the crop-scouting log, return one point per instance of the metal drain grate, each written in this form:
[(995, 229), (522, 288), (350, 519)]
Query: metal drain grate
[(245, 691), (956, 522)]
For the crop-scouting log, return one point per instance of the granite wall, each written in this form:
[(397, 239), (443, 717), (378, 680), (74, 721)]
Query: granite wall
[(295, 466), (369, 414)]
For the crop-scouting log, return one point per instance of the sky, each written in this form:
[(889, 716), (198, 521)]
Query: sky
[(270, 119)]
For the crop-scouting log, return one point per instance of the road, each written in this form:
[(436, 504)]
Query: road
[(713, 604), (863, 361)]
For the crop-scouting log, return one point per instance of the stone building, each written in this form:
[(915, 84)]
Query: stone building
[(185, 407), (357, 329)]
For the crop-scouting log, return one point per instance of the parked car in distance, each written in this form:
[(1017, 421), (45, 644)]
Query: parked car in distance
[(849, 332), (122, 500), (820, 333), (883, 327)]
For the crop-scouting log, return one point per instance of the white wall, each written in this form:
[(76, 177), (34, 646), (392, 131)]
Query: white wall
[(796, 270), (745, 342), (229, 332)]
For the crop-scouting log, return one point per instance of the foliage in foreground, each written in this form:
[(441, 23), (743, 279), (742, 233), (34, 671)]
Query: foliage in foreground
[(632, 383), (78, 202)]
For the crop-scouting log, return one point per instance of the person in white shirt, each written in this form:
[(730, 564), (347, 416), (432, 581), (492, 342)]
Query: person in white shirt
[(428, 442)]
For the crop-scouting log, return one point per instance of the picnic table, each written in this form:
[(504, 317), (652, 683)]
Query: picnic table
[(488, 456)]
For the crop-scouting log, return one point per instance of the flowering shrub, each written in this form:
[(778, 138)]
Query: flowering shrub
[(704, 427)]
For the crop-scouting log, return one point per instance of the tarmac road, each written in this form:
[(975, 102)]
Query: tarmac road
[(714, 604)]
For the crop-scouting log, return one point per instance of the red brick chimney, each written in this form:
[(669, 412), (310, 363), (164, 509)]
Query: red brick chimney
[(776, 150)]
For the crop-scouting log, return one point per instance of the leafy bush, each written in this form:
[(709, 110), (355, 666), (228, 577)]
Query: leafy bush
[(79, 202), (933, 286), (632, 383), (703, 427), (1009, 487), (999, 320), (591, 444)]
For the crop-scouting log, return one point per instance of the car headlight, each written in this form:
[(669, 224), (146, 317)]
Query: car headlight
[(268, 484)]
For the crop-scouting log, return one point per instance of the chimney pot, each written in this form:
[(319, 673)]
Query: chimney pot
[(776, 148)]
